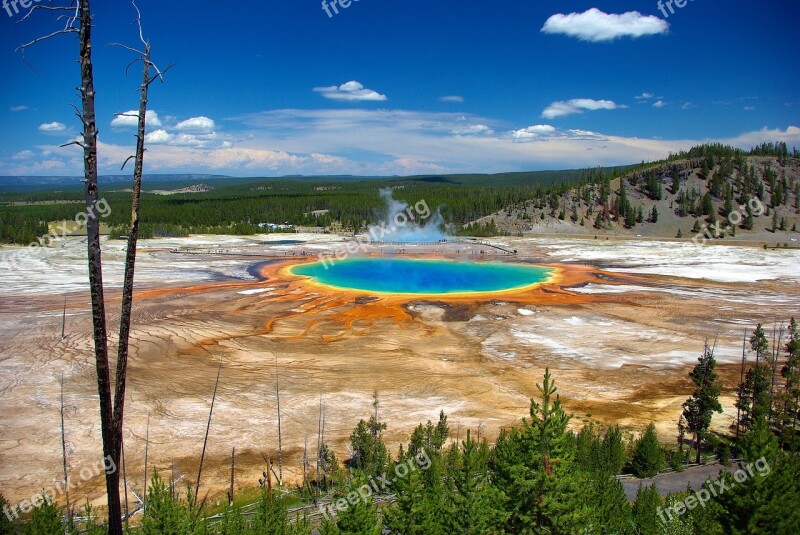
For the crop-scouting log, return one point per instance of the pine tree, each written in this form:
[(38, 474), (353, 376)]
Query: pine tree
[(754, 393), (358, 519), (654, 215), (676, 181), (165, 514), (598, 221), (532, 467), (790, 406), (648, 458), (476, 505), (645, 511), (699, 408)]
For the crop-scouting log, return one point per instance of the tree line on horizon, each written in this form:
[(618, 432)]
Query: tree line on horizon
[(581, 196)]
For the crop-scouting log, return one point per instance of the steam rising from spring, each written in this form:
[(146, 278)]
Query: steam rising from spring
[(411, 224)]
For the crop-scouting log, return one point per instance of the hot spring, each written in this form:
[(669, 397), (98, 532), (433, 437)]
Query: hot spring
[(409, 276)]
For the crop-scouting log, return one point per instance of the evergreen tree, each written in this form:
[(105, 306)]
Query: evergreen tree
[(532, 467), (630, 218), (45, 519), (645, 511), (654, 215), (790, 406), (164, 514), (369, 453), (359, 519), (648, 458), (698, 409), (676, 181), (476, 506)]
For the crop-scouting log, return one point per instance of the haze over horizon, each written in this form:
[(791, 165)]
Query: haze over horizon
[(384, 89)]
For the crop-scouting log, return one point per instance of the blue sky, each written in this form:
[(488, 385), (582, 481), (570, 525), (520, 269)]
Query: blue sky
[(278, 88)]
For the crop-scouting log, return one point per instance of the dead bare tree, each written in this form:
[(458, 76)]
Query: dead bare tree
[(67, 512), (319, 445), (64, 320), (125, 485), (233, 469), (205, 440), (146, 448), (280, 438), (78, 20)]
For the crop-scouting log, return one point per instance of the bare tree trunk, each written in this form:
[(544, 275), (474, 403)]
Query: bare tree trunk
[(68, 513), (205, 440), (305, 462), (319, 445), (64, 321), (280, 438), (130, 263), (233, 469), (172, 480), (107, 426), (146, 447), (125, 485)]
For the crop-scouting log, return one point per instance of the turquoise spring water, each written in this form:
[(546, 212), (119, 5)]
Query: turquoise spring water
[(405, 276)]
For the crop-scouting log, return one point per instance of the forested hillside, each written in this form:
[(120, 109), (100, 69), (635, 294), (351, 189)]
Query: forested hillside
[(711, 191)]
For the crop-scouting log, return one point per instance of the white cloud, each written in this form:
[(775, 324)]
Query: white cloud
[(23, 155), (452, 98), (131, 119), (158, 137), (385, 142), (578, 105), (687, 106), (472, 130), (533, 132), (659, 104), (596, 26), (52, 127), (201, 125), (645, 96), (350, 91), (18, 108)]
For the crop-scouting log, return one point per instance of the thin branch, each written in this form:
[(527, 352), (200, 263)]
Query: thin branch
[(44, 38), (139, 22), (78, 143), (47, 8), (126, 47), (205, 440), (131, 157)]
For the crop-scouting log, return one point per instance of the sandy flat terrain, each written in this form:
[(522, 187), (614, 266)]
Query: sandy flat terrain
[(620, 331)]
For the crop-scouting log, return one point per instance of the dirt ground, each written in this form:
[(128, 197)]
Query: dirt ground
[(620, 329)]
